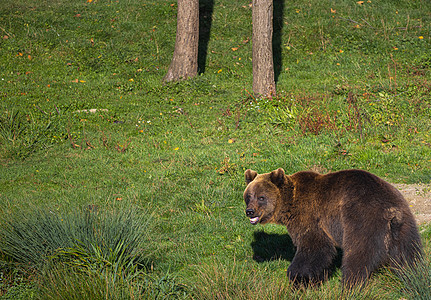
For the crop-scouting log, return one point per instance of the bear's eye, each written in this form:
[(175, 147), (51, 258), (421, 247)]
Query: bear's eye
[(261, 199)]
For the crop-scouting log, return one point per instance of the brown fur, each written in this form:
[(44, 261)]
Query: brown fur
[(353, 210)]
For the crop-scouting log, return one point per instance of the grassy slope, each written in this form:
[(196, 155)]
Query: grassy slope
[(179, 150)]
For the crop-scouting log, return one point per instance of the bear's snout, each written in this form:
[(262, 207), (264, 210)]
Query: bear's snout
[(249, 212)]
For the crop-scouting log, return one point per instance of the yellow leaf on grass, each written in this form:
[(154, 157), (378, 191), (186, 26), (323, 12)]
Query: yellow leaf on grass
[(360, 2), (234, 48)]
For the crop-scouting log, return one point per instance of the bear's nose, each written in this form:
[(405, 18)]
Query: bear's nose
[(249, 212)]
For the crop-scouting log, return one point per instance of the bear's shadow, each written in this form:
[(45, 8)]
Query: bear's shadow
[(273, 246)]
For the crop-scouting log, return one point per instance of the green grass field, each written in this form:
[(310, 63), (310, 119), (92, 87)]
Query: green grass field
[(143, 197)]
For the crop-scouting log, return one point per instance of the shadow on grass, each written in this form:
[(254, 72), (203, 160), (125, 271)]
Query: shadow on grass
[(206, 8), (277, 24), (271, 246)]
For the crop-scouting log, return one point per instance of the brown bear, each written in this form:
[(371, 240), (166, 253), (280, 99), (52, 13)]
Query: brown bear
[(352, 210)]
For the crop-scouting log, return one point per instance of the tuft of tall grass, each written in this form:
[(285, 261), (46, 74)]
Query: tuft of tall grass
[(416, 280), (89, 239), (85, 254)]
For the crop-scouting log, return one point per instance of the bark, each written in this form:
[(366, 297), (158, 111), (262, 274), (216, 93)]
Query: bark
[(263, 65), (184, 63)]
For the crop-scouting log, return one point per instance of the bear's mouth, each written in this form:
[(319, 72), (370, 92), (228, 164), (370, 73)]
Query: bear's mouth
[(254, 220)]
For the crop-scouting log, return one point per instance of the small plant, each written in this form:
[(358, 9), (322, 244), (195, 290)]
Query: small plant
[(227, 167), (164, 287), (382, 110), (22, 134), (315, 121), (275, 112)]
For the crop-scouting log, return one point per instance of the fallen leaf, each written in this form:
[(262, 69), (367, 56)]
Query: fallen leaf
[(235, 48), (360, 2), (333, 11), (231, 141)]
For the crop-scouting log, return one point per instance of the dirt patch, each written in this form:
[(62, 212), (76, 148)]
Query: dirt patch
[(419, 198)]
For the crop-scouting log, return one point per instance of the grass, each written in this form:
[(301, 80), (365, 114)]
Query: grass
[(164, 163)]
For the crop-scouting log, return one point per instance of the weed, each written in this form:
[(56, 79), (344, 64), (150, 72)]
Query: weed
[(275, 112), (21, 134), (314, 121)]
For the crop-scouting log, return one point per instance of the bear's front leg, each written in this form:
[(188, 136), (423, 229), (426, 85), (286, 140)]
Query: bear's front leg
[(312, 265)]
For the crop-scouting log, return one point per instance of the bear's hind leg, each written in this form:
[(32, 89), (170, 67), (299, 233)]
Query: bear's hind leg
[(360, 260), (354, 274)]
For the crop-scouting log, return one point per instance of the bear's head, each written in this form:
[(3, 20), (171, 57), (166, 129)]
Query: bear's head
[(262, 195)]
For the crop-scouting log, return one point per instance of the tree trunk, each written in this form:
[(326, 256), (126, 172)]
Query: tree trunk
[(184, 63), (263, 65)]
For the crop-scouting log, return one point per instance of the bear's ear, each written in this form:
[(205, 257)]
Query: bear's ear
[(277, 177), (250, 175)]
